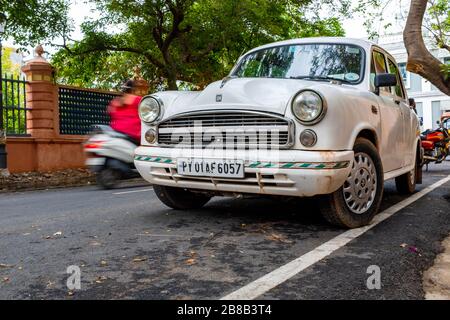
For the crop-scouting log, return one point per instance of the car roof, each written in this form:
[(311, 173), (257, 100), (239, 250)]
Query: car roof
[(365, 44)]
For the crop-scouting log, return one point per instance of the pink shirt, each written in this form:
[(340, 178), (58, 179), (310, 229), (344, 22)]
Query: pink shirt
[(125, 118)]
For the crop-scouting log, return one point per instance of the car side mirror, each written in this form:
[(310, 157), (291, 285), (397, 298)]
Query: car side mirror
[(384, 80)]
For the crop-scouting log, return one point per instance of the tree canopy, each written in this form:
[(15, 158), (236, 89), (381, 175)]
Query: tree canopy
[(195, 41), (32, 21), (430, 16), (8, 65)]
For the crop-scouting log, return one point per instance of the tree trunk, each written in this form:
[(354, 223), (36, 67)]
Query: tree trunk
[(420, 60), (172, 82)]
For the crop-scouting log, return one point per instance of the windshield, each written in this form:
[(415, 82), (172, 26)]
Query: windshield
[(311, 61)]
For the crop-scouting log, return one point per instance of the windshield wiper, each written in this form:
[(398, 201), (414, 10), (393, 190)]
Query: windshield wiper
[(323, 78)]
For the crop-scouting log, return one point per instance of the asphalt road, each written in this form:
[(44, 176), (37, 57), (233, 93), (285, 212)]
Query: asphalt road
[(130, 246)]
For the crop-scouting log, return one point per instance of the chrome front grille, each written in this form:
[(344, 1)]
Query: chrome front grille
[(236, 129)]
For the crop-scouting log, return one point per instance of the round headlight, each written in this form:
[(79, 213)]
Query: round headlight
[(308, 107), (149, 109)]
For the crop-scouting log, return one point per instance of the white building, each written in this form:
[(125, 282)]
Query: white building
[(431, 102)]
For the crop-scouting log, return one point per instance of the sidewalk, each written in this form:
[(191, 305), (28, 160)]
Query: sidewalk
[(436, 280), (45, 180)]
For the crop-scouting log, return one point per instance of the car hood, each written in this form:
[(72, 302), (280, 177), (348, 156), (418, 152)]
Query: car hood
[(259, 94)]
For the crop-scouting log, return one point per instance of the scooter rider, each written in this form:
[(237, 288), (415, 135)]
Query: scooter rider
[(123, 112)]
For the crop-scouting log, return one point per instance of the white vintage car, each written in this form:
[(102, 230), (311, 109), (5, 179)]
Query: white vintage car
[(297, 118)]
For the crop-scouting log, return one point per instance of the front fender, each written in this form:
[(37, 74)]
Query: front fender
[(349, 112), (361, 128)]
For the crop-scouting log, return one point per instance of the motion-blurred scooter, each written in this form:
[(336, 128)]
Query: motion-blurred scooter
[(110, 155)]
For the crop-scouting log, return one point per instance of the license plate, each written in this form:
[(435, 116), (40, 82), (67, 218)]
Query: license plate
[(211, 167)]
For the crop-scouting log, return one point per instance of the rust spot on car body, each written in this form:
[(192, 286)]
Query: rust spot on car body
[(328, 156)]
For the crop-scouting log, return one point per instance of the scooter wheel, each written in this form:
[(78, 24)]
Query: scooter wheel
[(108, 178)]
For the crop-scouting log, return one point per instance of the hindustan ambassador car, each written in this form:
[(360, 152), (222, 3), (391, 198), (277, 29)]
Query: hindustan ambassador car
[(326, 117)]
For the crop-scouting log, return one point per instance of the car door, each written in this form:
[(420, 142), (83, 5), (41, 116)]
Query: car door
[(408, 125), (390, 117)]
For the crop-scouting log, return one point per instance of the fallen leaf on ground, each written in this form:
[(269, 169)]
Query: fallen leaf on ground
[(103, 263), (5, 279), (101, 279), (403, 245), (139, 259), (59, 233), (190, 261), (3, 265), (70, 293), (278, 238)]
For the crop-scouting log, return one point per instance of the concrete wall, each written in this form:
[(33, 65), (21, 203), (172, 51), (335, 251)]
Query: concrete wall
[(30, 154)]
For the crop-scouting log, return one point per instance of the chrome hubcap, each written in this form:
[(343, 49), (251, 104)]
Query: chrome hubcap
[(361, 185)]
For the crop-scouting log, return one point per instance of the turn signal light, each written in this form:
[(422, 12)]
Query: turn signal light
[(150, 136)]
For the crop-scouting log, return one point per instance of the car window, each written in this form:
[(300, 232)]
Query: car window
[(397, 90), (316, 60), (378, 65)]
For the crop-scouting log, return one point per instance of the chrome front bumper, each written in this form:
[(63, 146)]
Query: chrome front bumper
[(277, 172)]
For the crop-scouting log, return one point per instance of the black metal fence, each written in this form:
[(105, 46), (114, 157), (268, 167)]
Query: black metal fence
[(80, 108), (14, 105)]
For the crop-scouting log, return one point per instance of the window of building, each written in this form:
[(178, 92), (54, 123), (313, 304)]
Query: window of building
[(419, 108), (436, 113), (406, 76)]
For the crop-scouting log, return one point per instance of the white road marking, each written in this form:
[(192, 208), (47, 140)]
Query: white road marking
[(133, 191), (280, 275)]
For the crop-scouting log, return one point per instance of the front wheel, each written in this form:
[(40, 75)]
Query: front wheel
[(356, 203), (108, 178), (179, 198)]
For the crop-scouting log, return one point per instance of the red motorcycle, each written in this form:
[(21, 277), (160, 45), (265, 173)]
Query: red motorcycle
[(436, 145)]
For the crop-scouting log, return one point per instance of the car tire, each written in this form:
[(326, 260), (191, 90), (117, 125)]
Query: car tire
[(179, 198), (406, 183), (108, 178), (358, 200)]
